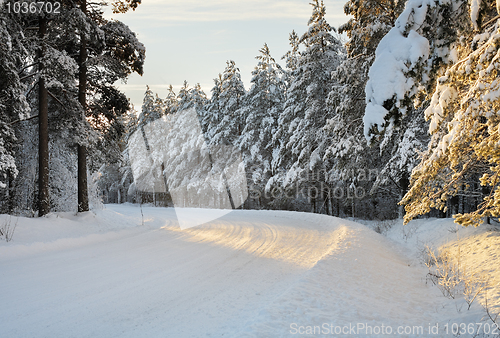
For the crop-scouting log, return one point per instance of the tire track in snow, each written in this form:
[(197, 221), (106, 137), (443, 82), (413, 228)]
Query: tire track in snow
[(293, 241)]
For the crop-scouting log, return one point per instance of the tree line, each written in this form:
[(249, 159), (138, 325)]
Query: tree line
[(299, 128), (401, 120)]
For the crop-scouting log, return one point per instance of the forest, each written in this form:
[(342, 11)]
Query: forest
[(399, 120)]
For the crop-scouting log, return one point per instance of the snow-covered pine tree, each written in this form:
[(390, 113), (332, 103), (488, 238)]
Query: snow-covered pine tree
[(47, 66), (263, 105), (198, 97), (291, 57), (191, 97), (13, 104), (159, 102), (212, 113), (464, 122), (346, 151), (121, 55), (409, 58), (397, 70), (194, 98), (370, 21), (107, 51), (447, 59), (305, 110), (230, 99), (139, 149), (151, 110), (170, 102), (183, 96)]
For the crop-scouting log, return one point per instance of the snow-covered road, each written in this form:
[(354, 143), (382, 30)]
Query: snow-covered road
[(250, 273)]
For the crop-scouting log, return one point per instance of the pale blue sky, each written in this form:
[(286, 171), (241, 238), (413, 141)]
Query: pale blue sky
[(192, 39)]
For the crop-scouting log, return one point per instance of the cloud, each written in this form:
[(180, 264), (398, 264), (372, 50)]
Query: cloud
[(165, 13)]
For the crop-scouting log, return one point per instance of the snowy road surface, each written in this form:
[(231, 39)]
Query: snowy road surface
[(250, 273)]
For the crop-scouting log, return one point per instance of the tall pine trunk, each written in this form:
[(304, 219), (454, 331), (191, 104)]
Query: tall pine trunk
[(83, 196), (43, 131)]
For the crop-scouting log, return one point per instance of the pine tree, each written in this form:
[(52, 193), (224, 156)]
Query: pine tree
[(48, 71), (212, 112), (463, 123), (198, 97), (230, 100), (152, 108), (447, 70), (369, 23), (191, 97), (305, 109), (263, 105), (117, 51), (346, 150), (170, 102), (291, 57), (408, 57), (13, 104), (183, 96)]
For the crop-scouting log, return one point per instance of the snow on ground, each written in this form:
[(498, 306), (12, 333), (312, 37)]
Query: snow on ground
[(119, 273), (476, 249)]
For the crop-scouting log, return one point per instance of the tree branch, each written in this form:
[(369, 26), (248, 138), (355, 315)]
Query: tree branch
[(33, 64), (487, 23), (55, 98), (17, 121), (28, 76), (29, 91)]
